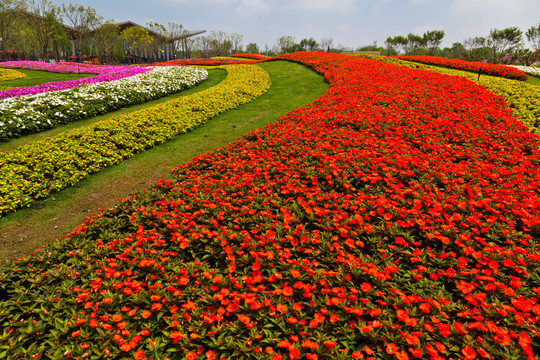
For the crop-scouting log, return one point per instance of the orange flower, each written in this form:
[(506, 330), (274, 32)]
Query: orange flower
[(191, 355), (139, 355), (468, 352), (329, 344), (281, 308), (365, 287), (176, 335), (391, 348), (117, 317), (146, 314)]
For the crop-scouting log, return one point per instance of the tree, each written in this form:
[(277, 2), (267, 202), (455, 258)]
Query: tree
[(413, 43), (533, 35), (220, 43), (137, 39), (476, 49), (326, 43), (156, 44), (9, 13), (396, 43), (44, 19), (236, 40), (252, 48), (23, 41), (106, 39), (83, 21), (308, 45), (505, 41), (286, 44), (432, 39)]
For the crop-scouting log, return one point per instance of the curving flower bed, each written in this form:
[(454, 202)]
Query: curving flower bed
[(203, 62), (491, 69), (35, 113), (529, 70), (523, 98), (38, 169), (104, 73), (10, 74), (251, 56), (394, 217)]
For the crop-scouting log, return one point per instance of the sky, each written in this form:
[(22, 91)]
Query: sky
[(349, 23)]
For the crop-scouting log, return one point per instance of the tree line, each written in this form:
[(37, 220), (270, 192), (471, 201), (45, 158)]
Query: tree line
[(499, 46), (36, 29)]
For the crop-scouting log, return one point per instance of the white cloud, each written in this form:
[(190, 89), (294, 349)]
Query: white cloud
[(253, 7), (324, 5), (499, 5), (422, 29)]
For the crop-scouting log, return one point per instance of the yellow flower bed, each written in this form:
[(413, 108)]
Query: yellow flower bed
[(10, 74), (523, 98), (36, 170), (4, 88)]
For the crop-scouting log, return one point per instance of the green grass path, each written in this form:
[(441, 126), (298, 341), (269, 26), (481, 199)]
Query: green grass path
[(293, 86)]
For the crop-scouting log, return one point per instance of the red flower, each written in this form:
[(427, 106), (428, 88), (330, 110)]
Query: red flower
[(365, 287), (468, 352)]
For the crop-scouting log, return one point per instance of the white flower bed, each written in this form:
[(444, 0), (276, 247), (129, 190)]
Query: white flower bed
[(34, 113), (529, 70)]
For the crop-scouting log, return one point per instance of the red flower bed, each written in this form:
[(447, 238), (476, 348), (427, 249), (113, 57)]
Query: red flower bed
[(396, 217), (251, 56), (202, 62), (491, 69)]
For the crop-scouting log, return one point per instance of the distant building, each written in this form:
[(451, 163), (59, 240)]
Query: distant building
[(167, 47)]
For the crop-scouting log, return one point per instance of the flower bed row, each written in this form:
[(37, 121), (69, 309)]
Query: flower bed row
[(35, 113), (10, 74), (64, 67), (203, 62), (36, 170), (491, 69), (529, 70), (395, 217), (104, 73), (251, 56), (523, 98)]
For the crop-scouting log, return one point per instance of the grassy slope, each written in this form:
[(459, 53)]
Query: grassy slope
[(534, 80), (39, 77), (293, 86)]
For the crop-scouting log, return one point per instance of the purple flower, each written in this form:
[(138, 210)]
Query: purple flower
[(104, 73)]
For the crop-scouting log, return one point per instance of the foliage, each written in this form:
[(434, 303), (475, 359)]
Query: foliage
[(36, 170), (533, 35), (395, 217), (252, 48), (106, 38), (504, 42), (138, 40), (491, 69), (432, 39), (83, 21), (35, 113)]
